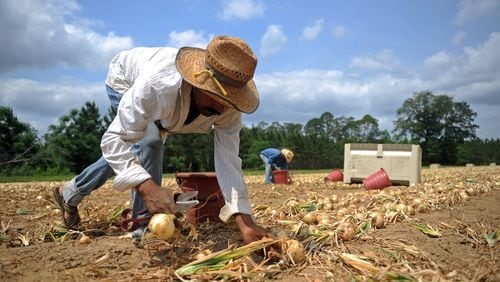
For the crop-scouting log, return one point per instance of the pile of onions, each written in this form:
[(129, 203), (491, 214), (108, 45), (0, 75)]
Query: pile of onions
[(162, 226)]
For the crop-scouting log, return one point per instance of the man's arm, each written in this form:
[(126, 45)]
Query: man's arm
[(231, 179)]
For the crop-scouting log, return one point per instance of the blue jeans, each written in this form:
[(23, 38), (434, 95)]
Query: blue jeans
[(149, 152), (268, 176)]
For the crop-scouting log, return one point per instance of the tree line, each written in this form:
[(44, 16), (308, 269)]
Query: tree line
[(444, 129)]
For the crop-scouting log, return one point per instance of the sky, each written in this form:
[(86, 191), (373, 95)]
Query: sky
[(349, 58)]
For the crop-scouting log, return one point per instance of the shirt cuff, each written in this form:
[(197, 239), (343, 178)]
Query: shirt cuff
[(130, 178), (236, 206)]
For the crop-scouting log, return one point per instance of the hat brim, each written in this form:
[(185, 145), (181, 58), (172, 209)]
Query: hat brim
[(190, 60)]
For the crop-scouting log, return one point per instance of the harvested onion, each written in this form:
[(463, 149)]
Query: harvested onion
[(295, 251), (310, 218), (378, 219), (162, 225), (84, 239)]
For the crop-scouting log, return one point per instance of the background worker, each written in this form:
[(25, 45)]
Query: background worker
[(275, 159), (160, 91)]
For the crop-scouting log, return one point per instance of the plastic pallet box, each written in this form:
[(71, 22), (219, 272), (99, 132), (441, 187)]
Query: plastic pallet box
[(402, 162)]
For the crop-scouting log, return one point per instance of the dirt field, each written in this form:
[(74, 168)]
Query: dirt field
[(357, 234)]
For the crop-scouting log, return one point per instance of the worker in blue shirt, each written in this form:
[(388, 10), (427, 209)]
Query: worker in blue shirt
[(275, 159)]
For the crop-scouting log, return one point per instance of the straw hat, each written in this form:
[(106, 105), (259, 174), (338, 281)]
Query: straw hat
[(225, 69), (288, 154)]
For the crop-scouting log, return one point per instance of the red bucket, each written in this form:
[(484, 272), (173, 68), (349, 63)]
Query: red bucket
[(205, 211), (334, 175), (209, 195), (280, 176), (378, 180), (204, 182)]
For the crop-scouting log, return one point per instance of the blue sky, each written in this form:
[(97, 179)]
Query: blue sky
[(349, 58)]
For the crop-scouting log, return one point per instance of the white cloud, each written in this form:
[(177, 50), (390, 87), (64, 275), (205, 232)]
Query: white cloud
[(338, 31), (48, 33), (384, 60), (473, 76), (272, 41), (41, 104), (469, 10), (458, 37), (188, 38), (300, 96), (437, 64), (311, 32), (474, 65), (241, 9)]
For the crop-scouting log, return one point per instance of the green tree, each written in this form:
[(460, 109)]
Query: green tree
[(252, 142), (74, 143), (437, 123), (367, 129), (479, 152), (18, 143), (108, 118)]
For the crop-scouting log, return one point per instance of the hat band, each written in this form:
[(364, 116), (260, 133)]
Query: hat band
[(226, 79), (211, 75)]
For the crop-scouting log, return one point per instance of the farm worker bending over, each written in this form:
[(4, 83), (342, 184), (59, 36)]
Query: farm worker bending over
[(275, 159), (160, 91)]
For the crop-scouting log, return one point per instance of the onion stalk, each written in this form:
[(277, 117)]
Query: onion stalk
[(220, 259), (428, 230)]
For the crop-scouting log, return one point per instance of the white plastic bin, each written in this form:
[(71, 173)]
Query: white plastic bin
[(402, 162)]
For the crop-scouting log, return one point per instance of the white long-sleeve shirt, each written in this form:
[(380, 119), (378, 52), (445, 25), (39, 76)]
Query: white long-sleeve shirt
[(153, 90)]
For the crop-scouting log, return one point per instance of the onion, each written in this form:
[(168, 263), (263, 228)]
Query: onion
[(402, 208), (411, 210), (295, 251), (323, 219), (334, 198), (463, 195), (417, 202), (203, 254), (341, 212), (470, 191), (162, 225), (348, 232), (378, 219), (291, 203), (329, 206), (310, 218), (421, 208), (84, 239)]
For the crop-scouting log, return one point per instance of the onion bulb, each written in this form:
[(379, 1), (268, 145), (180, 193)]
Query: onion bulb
[(310, 218), (295, 251), (203, 254), (329, 206), (84, 239), (341, 212), (378, 219), (162, 225), (348, 233), (334, 198)]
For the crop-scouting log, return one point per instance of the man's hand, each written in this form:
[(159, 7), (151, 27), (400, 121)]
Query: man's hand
[(156, 198), (249, 230)]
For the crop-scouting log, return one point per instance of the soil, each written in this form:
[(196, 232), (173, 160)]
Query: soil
[(461, 203)]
